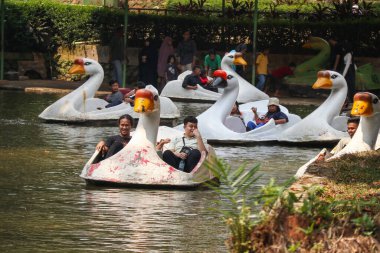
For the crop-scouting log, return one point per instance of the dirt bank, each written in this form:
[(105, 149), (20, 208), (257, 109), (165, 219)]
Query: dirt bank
[(334, 207)]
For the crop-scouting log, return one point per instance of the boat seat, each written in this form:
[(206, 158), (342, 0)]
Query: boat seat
[(203, 157), (235, 124)]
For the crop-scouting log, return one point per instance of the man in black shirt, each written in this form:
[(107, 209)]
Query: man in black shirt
[(336, 56), (190, 82), (116, 143)]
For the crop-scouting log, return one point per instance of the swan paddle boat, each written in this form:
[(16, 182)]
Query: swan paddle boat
[(81, 106), (217, 126), (325, 123), (247, 92), (367, 106), (138, 164)]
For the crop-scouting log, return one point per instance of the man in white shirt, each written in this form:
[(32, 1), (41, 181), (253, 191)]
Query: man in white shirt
[(352, 126), (187, 148)]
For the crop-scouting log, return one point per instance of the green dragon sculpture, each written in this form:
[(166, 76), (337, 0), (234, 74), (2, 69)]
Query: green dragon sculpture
[(305, 72)]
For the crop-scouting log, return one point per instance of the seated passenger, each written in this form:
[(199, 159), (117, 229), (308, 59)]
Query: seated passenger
[(235, 112), (130, 96), (116, 97), (116, 143), (187, 148), (191, 81), (274, 112), (352, 126), (206, 82)]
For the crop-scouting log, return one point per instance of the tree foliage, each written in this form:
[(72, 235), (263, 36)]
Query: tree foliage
[(27, 22)]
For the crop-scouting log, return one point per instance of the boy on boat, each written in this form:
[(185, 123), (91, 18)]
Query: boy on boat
[(186, 149), (116, 97)]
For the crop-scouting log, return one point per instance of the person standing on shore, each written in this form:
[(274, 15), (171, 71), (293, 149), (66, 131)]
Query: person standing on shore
[(117, 55), (186, 52), (165, 51), (262, 68), (349, 70)]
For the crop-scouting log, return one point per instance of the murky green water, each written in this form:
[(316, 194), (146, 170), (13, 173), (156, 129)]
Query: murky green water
[(45, 206)]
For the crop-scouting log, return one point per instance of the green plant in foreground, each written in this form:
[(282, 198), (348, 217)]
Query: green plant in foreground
[(365, 223), (235, 203), (294, 247)]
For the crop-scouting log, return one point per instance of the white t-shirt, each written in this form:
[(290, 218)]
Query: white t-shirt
[(178, 142), (341, 144)]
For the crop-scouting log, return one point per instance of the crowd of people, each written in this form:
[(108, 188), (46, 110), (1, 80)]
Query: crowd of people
[(159, 65)]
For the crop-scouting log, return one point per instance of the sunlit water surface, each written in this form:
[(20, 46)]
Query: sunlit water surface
[(45, 206)]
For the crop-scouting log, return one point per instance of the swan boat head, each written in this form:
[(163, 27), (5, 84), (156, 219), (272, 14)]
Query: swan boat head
[(233, 58), (247, 91), (71, 106), (330, 109), (147, 103), (367, 106), (325, 122), (85, 66)]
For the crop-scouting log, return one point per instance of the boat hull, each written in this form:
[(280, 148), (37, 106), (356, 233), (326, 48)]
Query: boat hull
[(146, 172), (195, 186)]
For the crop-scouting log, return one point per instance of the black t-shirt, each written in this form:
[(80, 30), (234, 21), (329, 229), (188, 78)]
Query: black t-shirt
[(191, 80), (117, 138), (336, 50)]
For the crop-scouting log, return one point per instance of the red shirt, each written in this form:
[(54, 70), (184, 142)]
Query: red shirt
[(282, 72), (204, 80)]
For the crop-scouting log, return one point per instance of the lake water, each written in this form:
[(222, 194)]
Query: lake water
[(45, 206)]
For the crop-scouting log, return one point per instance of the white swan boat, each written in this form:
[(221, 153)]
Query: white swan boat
[(325, 123), (367, 106), (217, 126), (138, 164), (247, 92), (81, 105)]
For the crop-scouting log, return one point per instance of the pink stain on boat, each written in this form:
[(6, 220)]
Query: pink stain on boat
[(92, 168), (113, 170), (138, 157)]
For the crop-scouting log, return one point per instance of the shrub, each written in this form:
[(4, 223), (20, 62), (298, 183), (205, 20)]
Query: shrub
[(69, 23)]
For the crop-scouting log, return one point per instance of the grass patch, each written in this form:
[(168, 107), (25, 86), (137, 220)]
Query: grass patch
[(335, 206), (352, 177)]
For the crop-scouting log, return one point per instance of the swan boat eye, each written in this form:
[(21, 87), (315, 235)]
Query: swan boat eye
[(334, 76), (229, 77), (375, 101), (231, 56), (87, 63)]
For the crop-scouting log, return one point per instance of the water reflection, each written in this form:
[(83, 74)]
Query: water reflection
[(156, 220), (46, 206)]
